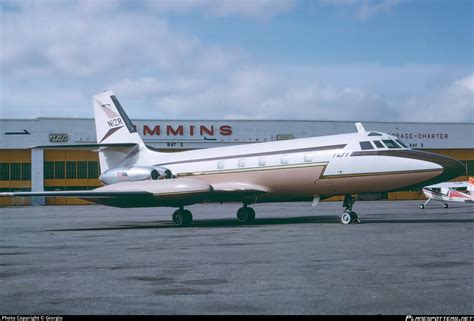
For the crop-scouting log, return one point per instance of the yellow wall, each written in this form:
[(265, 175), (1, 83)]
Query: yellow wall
[(15, 156), (24, 156), (459, 154), (69, 155)]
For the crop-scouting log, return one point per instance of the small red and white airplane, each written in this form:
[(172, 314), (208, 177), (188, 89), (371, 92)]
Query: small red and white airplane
[(450, 192)]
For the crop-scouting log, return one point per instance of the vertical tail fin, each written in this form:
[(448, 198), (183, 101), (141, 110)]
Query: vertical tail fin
[(470, 185), (111, 122), (113, 126)]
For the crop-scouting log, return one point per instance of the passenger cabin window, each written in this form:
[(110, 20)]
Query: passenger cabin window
[(390, 143), (378, 144), (366, 145), (401, 143), (262, 161), (241, 162), (308, 158), (285, 159), (220, 165)]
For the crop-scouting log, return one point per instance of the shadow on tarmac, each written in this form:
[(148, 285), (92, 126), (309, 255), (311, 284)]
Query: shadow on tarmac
[(227, 223)]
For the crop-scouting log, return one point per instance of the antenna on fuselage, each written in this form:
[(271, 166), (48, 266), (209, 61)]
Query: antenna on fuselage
[(360, 127)]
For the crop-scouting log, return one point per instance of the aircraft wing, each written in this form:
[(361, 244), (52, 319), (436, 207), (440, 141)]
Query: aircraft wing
[(448, 185), (168, 192)]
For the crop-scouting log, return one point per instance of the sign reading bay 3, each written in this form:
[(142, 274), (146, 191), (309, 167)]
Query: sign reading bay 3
[(58, 138)]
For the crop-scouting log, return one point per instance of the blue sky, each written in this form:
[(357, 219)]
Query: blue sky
[(438, 31), (384, 60)]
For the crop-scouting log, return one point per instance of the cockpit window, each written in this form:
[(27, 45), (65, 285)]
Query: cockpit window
[(401, 143), (366, 145), (378, 143), (374, 134), (390, 143)]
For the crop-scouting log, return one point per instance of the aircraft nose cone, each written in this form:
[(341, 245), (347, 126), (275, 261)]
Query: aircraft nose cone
[(453, 168)]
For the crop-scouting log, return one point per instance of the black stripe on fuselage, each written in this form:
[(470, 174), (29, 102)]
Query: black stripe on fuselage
[(300, 150)]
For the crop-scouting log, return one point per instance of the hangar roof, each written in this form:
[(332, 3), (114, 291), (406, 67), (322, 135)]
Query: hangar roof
[(188, 134)]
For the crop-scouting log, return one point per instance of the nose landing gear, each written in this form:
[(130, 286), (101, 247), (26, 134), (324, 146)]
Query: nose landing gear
[(349, 216)]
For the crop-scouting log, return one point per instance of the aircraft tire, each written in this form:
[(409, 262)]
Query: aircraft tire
[(188, 217), (354, 218), (446, 205), (182, 218), (422, 206), (346, 218), (245, 215)]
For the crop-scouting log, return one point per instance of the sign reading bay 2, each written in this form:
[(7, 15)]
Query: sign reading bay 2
[(58, 138)]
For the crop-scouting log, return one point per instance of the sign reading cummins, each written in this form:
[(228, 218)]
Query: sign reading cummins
[(58, 138)]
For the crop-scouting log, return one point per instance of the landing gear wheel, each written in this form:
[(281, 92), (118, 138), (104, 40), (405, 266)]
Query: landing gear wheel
[(188, 217), (354, 217), (346, 218), (245, 215), (445, 205), (349, 218), (182, 218), (422, 206)]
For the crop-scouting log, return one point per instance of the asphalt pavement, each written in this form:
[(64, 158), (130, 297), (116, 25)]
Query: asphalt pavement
[(295, 259)]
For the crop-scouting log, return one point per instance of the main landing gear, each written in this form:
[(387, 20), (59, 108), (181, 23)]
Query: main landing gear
[(349, 216), (182, 217), (245, 215), (422, 206)]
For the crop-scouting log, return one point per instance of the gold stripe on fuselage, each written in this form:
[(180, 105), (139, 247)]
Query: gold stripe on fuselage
[(377, 173), (255, 169), (252, 169)]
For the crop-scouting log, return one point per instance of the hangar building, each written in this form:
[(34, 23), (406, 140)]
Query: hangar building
[(31, 158)]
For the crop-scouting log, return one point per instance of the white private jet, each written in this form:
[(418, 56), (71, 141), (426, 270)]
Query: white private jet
[(307, 169), (462, 192)]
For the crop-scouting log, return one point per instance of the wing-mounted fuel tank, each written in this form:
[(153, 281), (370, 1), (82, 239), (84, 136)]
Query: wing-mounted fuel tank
[(135, 173)]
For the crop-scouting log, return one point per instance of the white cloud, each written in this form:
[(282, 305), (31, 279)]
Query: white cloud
[(364, 9), (256, 9), (252, 9), (39, 41), (253, 93), (467, 83), (453, 103), (368, 9), (55, 56)]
